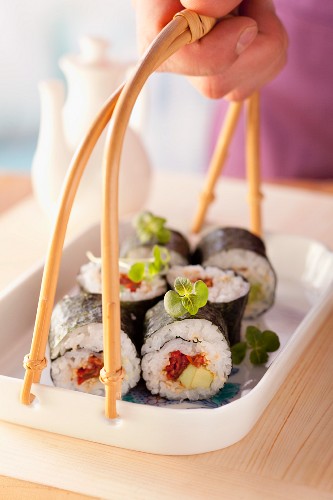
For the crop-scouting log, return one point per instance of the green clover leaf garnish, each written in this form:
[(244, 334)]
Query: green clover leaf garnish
[(258, 356), (183, 286), (191, 304), (173, 305), (271, 341), (201, 292), (254, 337), (150, 227), (238, 352), (136, 272), (163, 235), (148, 268), (161, 259), (187, 297), (259, 343)]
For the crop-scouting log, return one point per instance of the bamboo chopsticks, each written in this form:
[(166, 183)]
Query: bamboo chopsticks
[(252, 163)]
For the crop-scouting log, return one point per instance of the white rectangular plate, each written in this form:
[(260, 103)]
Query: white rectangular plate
[(304, 295)]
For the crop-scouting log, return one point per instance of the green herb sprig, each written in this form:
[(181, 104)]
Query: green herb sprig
[(148, 268), (186, 297), (259, 343), (158, 263), (150, 227)]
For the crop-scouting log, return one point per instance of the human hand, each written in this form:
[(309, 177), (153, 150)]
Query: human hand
[(246, 48)]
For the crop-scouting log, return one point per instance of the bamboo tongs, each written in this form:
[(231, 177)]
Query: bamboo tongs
[(252, 163)]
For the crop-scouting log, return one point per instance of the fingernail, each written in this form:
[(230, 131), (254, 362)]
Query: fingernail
[(246, 38)]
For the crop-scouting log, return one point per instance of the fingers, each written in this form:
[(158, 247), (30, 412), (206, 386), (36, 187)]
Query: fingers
[(239, 55), (213, 53), (255, 66)]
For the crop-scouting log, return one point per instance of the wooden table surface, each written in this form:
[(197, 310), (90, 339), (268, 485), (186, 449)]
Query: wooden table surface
[(289, 452)]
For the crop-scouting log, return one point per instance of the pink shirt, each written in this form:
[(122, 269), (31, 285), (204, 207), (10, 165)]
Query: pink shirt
[(297, 107)]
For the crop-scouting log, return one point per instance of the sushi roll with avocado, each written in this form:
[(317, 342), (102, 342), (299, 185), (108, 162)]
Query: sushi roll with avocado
[(150, 230), (245, 253), (186, 358), (139, 291), (76, 346), (227, 292)]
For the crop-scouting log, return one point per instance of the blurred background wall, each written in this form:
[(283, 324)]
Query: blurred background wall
[(36, 33)]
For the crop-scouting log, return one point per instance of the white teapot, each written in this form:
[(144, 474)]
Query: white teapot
[(91, 77)]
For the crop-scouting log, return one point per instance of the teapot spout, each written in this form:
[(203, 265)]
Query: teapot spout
[(52, 154)]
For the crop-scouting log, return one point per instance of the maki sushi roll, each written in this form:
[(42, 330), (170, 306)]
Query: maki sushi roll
[(150, 230), (138, 292), (76, 346), (227, 292), (187, 358), (245, 253)]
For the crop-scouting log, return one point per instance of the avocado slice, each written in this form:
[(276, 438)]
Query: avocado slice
[(202, 378), (256, 293), (187, 376), (193, 377)]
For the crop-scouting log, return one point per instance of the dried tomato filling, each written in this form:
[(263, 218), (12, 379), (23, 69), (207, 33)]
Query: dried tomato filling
[(179, 361), (208, 281), (128, 283), (91, 370)]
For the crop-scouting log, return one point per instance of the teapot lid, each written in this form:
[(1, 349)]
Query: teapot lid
[(93, 53)]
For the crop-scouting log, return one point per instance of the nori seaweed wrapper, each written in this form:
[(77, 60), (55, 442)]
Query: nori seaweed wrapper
[(177, 243), (133, 315), (232, 313), (224, 239), (79, 310), (72, 312), (157, 317), (227, 238)]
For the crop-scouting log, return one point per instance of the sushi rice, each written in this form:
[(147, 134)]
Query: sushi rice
[(145, 251), (90, 280), (64, 369), (76, 347), (191, 337), (224, 285), (256, 269), (227, 291)]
